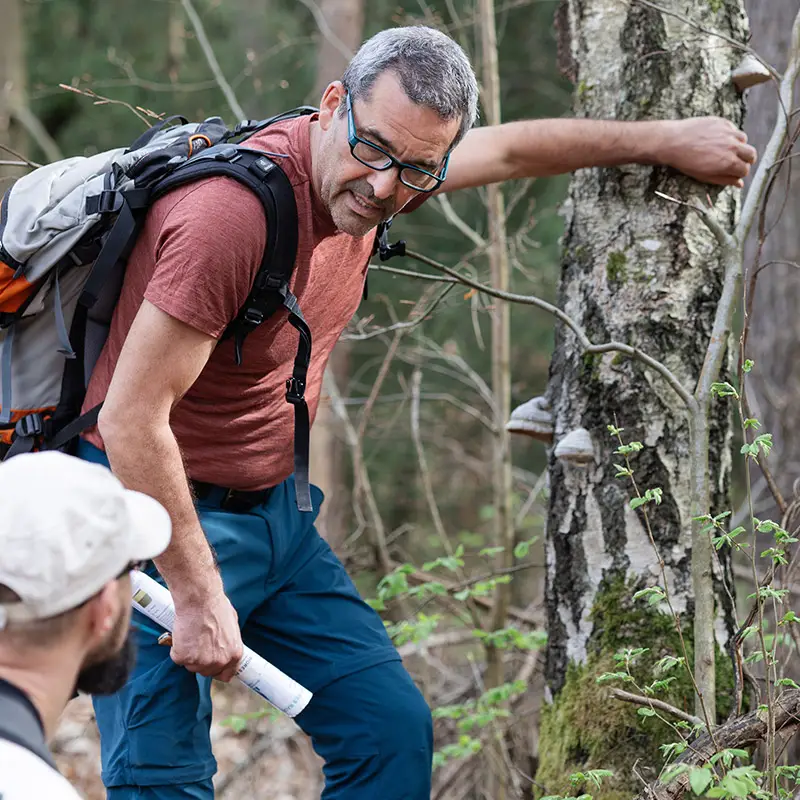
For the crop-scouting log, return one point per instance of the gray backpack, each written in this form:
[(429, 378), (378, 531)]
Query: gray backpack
[(66, 230)]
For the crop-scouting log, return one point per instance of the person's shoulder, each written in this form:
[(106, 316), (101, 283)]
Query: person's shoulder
[(23, 775)]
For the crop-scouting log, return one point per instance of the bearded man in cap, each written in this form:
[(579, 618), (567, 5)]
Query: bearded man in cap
[(69, 535)]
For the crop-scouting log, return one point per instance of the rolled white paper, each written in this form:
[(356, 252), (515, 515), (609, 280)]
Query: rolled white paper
[(266, 680)]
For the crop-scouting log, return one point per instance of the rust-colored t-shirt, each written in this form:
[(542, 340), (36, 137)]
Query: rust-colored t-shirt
[(196, 259)]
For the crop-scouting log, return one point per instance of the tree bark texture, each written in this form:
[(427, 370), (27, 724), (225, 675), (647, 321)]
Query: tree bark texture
[(773, 387), (646, 272), (345, 24)]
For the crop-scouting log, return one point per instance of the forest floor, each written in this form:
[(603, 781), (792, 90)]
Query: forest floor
[(270, 760)]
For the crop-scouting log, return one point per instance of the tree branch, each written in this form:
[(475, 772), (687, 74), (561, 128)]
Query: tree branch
[(776, 141), (326, 29), (33, 125), (739, 732), (652, 702), (208, 52), (586, 344)]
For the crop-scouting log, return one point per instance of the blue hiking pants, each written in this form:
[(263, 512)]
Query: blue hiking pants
[(298, 609)]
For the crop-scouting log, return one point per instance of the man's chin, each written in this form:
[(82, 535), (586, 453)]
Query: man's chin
[(347, 221), (109, 674)]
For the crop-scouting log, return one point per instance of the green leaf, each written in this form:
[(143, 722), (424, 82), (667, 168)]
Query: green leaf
[(646, 712), (491, 551), (746, 367), (751, 423), (787, 682), (700, 779), (723, 390), (636, 502)]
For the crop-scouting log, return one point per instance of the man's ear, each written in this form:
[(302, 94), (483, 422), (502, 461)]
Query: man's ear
[(332, 99), (102, 610)]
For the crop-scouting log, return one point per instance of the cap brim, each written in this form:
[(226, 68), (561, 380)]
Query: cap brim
[(151, 526)]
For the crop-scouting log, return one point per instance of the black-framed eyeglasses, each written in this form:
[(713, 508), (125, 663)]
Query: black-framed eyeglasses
[(375, 157)]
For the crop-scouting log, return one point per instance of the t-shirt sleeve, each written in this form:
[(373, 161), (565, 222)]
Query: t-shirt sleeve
[(208, 251)]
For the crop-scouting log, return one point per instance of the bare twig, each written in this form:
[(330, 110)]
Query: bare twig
[(652, 702), (37, 131), (776, 140), (457, 222), (208, 52), (412, 274), (326, 29), (406, 325), (99, 100), (586, 344)]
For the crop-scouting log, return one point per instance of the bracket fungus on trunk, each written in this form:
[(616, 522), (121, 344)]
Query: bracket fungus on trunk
[(576, 448), (749, 72), (533, 418)]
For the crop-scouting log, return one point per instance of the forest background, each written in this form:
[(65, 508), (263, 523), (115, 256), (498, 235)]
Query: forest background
[(410, 444)]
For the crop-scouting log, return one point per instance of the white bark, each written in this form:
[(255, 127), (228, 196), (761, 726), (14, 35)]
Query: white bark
[(647, 273)]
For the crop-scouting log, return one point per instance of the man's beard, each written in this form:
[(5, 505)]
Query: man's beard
[(110, 673)]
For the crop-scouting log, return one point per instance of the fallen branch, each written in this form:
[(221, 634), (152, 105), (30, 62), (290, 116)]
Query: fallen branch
[(741, 732)]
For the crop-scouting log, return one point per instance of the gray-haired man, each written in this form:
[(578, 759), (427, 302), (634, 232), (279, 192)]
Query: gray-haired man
[(177, 411)]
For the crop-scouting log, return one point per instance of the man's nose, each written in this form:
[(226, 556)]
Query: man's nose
[(383, 183)]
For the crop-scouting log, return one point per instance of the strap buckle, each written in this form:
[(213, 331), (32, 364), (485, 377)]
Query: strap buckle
[(108, 201), (253, 316), (30, 425), (295, 390)]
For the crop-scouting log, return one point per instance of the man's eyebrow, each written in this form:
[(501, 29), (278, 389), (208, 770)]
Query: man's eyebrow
[(371, 133)]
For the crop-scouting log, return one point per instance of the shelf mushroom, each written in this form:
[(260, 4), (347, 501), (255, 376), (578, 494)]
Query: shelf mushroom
[(576, 448), (533, 419), (749, 72)]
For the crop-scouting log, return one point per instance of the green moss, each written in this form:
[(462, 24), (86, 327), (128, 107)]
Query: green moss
[(616, 267), (591, 367), (584, 728)]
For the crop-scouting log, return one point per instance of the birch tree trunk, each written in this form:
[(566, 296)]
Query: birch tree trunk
[(645, 272), (342, 32)]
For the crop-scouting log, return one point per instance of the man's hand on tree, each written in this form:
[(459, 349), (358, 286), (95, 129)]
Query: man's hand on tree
[(708, 149)]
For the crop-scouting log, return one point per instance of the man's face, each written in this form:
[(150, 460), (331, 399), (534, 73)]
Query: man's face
[(356, 196), (106, 668)]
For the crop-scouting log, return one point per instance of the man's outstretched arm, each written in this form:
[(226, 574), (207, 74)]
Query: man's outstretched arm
[(709, 149)]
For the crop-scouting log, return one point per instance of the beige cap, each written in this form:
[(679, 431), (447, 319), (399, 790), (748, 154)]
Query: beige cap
[(67, 528)]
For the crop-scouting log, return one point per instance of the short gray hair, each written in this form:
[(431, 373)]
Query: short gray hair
[(433, 70)]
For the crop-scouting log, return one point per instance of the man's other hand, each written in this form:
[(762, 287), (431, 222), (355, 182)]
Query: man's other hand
[(206, 636), (708, 149)]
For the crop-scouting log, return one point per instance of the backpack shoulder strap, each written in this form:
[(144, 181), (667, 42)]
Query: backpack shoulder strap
[(270, 290), (19, 724)]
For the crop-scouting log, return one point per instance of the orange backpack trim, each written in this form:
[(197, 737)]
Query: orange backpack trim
[(7, 434), (14, 292)]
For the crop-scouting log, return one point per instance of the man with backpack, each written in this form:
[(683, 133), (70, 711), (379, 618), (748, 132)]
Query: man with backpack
[(193, 382), (64, 602)]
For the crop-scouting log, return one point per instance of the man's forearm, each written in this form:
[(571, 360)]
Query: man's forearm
[(148, 460), (709, 149), (538, 148)]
